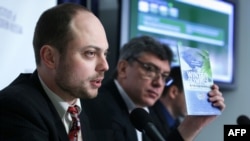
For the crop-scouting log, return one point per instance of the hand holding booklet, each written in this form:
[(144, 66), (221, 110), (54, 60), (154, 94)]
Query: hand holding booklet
[(197, 80)]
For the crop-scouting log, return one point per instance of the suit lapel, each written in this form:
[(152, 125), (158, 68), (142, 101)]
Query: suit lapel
[(87, 135), (61, 131), (62, 134), (122, 116)]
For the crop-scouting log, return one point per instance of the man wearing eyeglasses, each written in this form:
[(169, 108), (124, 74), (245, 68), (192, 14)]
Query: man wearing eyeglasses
[(141, 74), (170, 109)]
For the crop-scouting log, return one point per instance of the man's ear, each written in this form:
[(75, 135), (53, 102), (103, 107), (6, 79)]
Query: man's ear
[(121, 68), (48, 56), (174, 91)]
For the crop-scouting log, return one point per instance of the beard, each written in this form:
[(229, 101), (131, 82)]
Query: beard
[(74, 85)]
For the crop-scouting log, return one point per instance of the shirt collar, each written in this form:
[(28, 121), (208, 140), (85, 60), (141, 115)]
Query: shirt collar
[(60, 105), (170, 120), (128, 101)]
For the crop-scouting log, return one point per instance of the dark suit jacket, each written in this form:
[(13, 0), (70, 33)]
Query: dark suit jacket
[(160, 119), (27, 114), (109, 116)]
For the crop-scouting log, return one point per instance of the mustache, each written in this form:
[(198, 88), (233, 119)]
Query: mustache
[(97, 76)]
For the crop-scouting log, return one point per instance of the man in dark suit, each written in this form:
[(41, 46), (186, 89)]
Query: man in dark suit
[(142, 71), (70, 48), (170, 109)]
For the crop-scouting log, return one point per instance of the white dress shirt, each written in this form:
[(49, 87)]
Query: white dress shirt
[(62, 107)]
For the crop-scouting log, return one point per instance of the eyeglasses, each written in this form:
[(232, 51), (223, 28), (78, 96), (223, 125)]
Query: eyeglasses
[(152, 71)]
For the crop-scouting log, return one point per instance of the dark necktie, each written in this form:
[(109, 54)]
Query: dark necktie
[(75, 126)]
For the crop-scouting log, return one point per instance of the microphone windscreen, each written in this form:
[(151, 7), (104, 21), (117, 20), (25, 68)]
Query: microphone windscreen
[(139, 118), (243, 120)]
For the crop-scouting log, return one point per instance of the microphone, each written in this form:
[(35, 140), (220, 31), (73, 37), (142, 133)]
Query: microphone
[(143, 122), (243, 120)]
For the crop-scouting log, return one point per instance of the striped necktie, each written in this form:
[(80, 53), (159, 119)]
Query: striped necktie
[(75, 125)]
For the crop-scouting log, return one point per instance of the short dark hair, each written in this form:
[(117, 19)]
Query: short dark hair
[(144, 44), (53, 27), (176, 80)]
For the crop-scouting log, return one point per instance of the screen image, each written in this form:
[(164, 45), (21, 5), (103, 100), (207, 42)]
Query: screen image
[(205, 24)]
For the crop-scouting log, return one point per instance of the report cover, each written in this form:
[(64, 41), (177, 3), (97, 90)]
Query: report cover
[(197, 80)]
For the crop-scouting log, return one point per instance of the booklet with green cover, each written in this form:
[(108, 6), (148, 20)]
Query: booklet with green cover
[(197, 80)]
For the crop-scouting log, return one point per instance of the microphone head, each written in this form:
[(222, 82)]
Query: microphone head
[(243, 120), (139, 118)]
